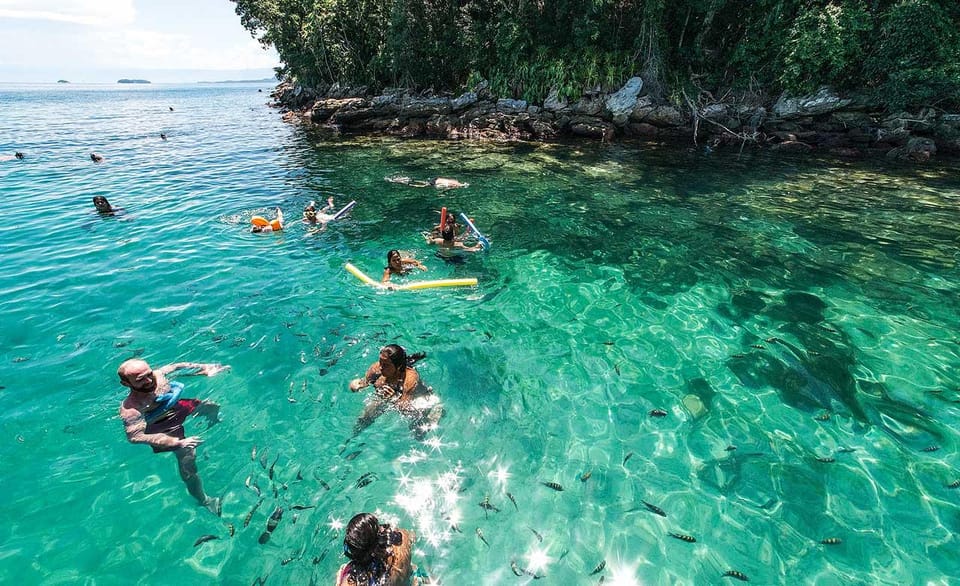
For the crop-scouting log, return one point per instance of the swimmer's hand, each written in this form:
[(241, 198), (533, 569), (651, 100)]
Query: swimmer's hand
[(190, 442), (212, 369), (357, 384)]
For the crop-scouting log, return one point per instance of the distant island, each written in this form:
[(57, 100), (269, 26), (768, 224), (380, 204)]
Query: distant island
[(62, 81), (132, 81)]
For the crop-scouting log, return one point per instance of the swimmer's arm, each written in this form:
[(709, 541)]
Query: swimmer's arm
[(280, 216), (401, 567), (136, 426), (386, 275), (414, 262), (208, 369), (329, 206), (373, 373)]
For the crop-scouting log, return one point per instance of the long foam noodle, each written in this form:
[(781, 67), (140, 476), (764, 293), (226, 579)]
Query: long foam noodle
[(343, 211), (416, 285), (483, 239)]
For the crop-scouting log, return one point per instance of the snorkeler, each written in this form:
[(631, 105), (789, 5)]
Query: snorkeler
[(397, 383), (442, 183), (261, 224), (104, 208), (399, 265), (378, 554), (96, 158)]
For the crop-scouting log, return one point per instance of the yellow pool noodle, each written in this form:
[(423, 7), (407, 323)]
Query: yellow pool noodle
[(469, 282)]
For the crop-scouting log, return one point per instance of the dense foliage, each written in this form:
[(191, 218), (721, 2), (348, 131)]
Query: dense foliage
[(905, 52)]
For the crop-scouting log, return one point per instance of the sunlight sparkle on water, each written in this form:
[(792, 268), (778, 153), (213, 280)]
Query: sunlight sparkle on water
[(335, 524), (538, 560)]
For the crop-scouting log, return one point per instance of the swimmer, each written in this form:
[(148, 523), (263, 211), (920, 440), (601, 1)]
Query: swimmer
[(104, 208), (400, 265), (153, 413), (441, 183), (379, 554), (163, 136), (397, 384), (17, 155), (437, 230), (312, 216), (274, 225), (448, 240), (96, 158)]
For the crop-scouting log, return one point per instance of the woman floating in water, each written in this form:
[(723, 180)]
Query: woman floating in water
[(379, 554), (104, 208), (442, 183), (399, 265), (397, 384)]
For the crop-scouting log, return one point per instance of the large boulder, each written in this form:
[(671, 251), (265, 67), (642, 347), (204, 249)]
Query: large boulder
[(918, 149), (506, 106), (822, 102), (425, 107), (464, 101), (553, 103), (620, 104)]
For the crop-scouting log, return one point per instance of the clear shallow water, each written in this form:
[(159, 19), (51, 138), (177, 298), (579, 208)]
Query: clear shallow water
[(746, 297)]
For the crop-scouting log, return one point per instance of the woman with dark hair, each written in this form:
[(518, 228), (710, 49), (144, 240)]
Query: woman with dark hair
[(104, 208), (399, 265), (379, 554), (397, 384)]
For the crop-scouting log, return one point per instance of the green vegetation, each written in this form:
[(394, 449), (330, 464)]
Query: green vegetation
[(903, 53)]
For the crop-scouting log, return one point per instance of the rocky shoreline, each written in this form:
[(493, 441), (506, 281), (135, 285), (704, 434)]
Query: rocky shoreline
[(824, 122)]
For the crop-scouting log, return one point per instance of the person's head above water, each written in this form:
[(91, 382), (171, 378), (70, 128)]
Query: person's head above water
[(362, 539), (102, 205), (310, 212), (137, 375), (448, 233), (18, 155), (394, 260)]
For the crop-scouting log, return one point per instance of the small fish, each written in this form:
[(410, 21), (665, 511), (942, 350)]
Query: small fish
[(122, 344), (757, 346), (823, 417), (482, 538), (204, 539), (364, 482), (539, 537), (954, 484), (322, 555), (270, 474), (246, 520), (599, 568), (826, 459), (682, 537), (602, 578), (930, 449), (20, 359), (586, 476), (324, 485), (293, 520), (738, 355), (609, 343), (654, 509), (288, 560), (831, 541), (230, 529), (456, 528), (264, 537), (513, 500), (263, 459), (352, 455), (729, 448), (515, 569), (299, 475), (616, 368), (735, 574), (627, 457), (553, 485), (658, 413), (303, 507), (486, 506), (274, 519), (843, 450)]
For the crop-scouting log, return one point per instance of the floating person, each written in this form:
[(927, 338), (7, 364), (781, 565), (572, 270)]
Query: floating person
[(378, 554), (18, 155), (442, 183), (104, 208), (445, 219), (397, 383), (153, 413), (163, 136), (171, 108), (399, 265), (448, 240), (312, 216), (96, 158), (261, 224)]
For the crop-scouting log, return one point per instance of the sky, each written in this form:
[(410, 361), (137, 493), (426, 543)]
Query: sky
[(101, 41)]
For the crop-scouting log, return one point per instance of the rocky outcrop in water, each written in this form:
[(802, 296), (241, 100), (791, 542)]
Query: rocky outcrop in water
[(823, 122)]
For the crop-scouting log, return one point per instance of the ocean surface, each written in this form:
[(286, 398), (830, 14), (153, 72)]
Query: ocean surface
[(759, 352)]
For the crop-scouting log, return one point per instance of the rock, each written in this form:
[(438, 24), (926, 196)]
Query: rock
[(822, 102), (621, 103), (641, 129), (918, 149), (592, 127), (506, 106), (694, 405), (425, 107), (665, 116), (553, 103), (464, 101)]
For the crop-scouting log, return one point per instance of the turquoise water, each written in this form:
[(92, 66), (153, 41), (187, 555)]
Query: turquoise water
[(792, 309)]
